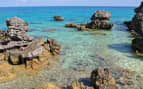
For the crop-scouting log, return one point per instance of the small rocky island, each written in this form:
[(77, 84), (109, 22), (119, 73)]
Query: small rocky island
[(136, 28), (99, 21), (58, 18)]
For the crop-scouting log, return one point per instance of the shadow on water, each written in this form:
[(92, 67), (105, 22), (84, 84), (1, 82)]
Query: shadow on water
[(121, 47), (136, 57), (125, 48), (86, 81)]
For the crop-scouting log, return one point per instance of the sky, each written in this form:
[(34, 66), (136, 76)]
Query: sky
[(8, 3)]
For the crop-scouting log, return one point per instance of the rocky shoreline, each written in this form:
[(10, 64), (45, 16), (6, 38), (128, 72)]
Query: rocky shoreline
[(136, 28), (34, 64)]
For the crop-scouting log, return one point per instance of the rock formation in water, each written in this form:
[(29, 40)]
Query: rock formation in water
[(99, 20), (71, 25), (58, 18), (18, 46), (136, 27), (46, 86), (137, 22), (102, 79), (80, 85)]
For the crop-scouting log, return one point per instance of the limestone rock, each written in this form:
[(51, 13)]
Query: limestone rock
[(78, 85), (71, 25), (101, 78), (54, 46), (58, 18), (46, 86), (101, 15)]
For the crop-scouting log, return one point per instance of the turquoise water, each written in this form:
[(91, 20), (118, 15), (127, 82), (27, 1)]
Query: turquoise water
[(82, 48)]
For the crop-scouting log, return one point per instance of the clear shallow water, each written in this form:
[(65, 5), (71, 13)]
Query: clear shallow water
[(81, 48)]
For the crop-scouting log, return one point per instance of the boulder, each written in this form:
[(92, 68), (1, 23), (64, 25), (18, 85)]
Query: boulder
[(46, 86), (17, 29), (54, 46), (102, 79), (71, 25), (58, 18), (101, 15)]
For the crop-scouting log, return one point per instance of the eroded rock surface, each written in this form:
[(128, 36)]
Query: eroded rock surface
[(18, 46), (99, 21), (58, 18), (102, 79)]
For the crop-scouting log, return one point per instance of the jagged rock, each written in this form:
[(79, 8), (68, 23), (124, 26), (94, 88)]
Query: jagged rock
[(99, 25), (100, 78), (99, 20), (17, 29), (101, 15), (78, 85), (137, 22), (34, 49), (46, 86), (54, 46), (13, 44), (71, 25), (18, 47), (58, 18), (137, 45)]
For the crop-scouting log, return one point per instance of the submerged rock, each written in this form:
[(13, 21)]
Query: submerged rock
[(58, 18), (46, 86), (102, 79), (80, 85)]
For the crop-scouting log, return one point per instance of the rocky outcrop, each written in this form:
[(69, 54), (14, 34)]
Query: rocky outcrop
[(102, 79), (136, 28), (54, 46), (99, 21), (137, 22), (71, 25), (46, 86), (18, 46), (58, 18)]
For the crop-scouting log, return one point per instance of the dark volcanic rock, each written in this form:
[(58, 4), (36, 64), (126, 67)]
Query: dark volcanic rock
[(102, 79), (58, 18)]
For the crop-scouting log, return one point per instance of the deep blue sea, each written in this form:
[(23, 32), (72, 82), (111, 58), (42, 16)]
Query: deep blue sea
[(81, 48)]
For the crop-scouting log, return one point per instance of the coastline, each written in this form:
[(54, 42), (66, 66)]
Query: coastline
[(82, 53)]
